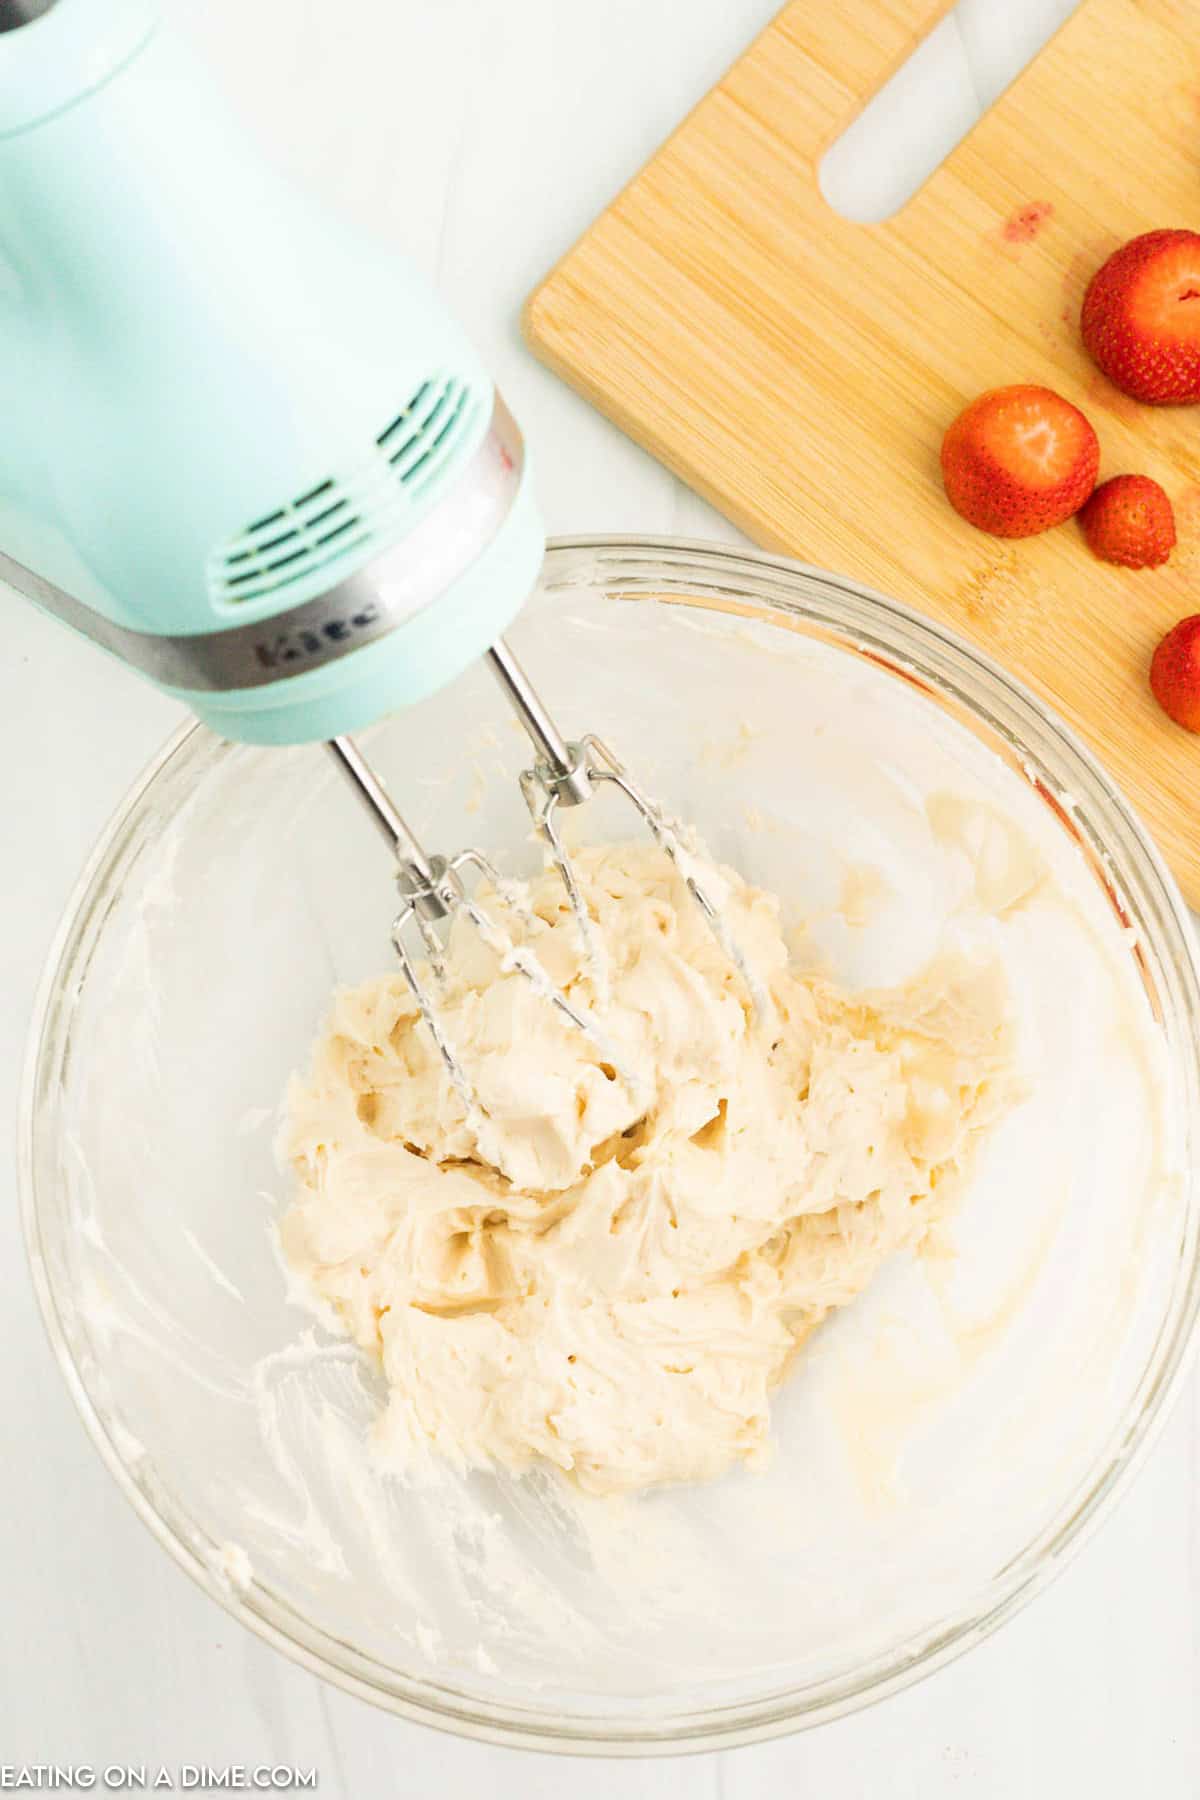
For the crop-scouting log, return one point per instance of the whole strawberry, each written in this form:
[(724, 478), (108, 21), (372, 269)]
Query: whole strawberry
[(1175, 673), (1141, 317), (1018, 460), (1129, 520)]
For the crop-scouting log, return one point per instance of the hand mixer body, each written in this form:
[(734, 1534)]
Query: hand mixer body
[(244, 449), (249, 454)]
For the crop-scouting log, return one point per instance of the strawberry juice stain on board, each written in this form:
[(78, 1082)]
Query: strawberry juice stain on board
[(1022, 226)]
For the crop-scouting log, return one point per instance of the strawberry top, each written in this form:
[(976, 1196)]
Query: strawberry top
[(1018, 460), (1141, 317)]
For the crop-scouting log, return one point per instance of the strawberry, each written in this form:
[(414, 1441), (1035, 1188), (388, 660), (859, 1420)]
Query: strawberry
[(1141, 317), (1175, 673), (1019, 459), (1129, 520)]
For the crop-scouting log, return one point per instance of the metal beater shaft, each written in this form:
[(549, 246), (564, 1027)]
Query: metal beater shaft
[(560, 765), (378, 805)]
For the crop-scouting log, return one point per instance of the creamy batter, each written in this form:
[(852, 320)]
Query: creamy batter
[(614, 1268)]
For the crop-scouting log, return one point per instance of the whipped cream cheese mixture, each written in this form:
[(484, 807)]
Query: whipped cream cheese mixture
[(614, 1269)]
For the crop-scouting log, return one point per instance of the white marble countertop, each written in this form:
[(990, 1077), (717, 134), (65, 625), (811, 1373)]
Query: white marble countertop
[(484, 135)]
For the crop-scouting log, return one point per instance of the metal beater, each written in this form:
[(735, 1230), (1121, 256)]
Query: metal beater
[(433, 891)]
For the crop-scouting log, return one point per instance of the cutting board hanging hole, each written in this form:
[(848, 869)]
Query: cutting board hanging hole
[(924, 111)]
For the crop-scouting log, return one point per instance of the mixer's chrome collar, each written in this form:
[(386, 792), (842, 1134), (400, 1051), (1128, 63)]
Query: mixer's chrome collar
[(358, 610)]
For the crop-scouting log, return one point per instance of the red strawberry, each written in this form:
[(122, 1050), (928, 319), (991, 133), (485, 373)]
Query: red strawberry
[(1141, 317), (1129, 520), (1175, 673), (1019, 460)]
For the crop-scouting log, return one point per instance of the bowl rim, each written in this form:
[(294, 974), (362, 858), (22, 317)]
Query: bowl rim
[(775, 1714)]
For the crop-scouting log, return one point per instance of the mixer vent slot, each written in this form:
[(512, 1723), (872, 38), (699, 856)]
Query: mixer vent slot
[(366, 505)]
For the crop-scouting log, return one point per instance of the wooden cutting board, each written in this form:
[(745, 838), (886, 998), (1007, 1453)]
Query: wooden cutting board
[(799, 370)]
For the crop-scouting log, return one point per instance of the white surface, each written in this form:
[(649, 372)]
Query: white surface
[(485, 137)]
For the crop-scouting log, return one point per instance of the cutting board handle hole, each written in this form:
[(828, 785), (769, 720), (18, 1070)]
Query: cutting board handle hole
[(909, 128)]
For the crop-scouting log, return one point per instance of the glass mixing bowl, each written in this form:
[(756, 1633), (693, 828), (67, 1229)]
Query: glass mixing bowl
[(942, 1445)]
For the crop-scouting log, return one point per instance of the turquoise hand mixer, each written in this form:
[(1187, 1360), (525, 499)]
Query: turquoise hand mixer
[(248, 453)]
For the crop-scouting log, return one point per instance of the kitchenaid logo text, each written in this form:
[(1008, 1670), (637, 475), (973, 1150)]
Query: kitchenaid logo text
[(78, 1778), (307, 643)]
